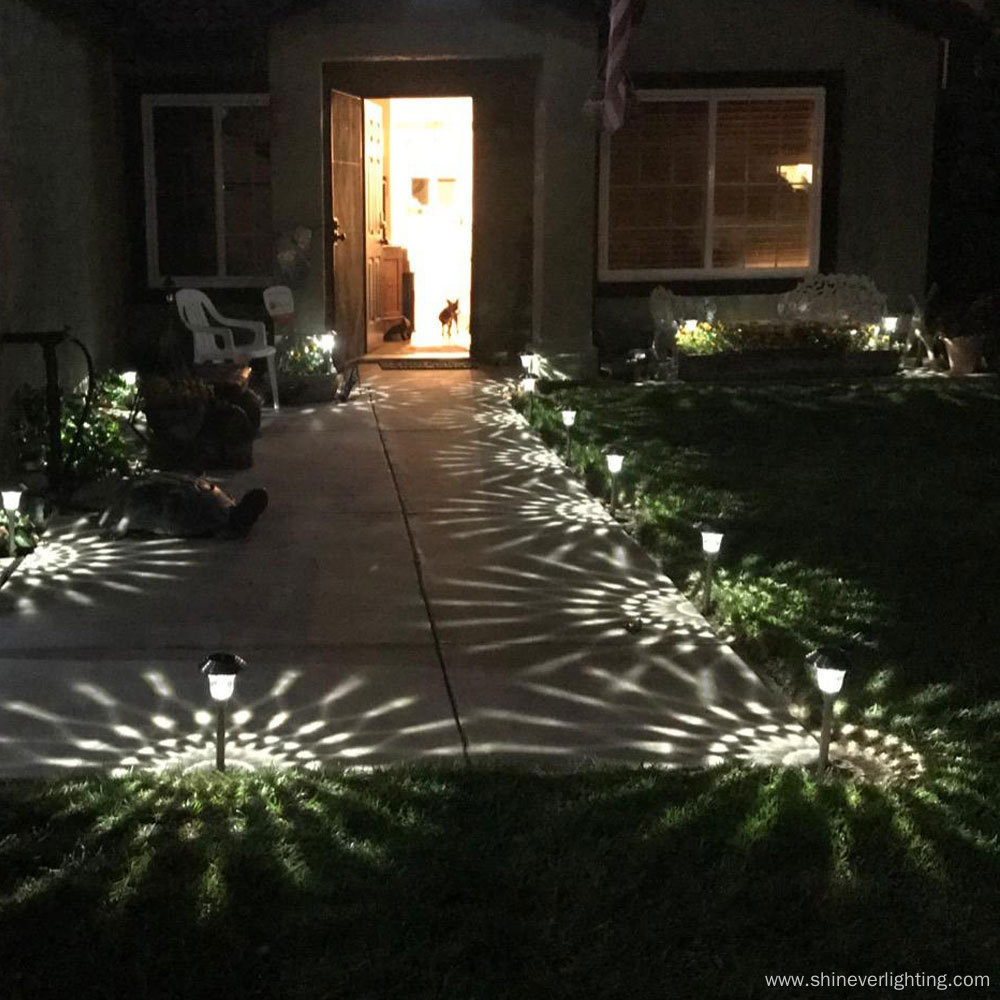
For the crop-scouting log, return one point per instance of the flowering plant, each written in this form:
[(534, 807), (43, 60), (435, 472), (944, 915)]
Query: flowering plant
[(305, 357), (715, 337), (25, 534)]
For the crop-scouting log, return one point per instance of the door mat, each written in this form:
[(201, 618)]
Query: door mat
[(415, 363)]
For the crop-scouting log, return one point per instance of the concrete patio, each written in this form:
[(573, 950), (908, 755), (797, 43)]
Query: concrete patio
[(428, 583)]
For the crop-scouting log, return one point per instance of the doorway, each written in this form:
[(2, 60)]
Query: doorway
[(402, 203), (429, 211)]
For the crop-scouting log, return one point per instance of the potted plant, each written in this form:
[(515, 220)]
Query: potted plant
[(25, 534), (305, 373), (965, 353), (979, 326), (196, 425)]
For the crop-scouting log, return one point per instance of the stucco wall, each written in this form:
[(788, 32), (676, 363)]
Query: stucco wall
[(62, 219), (886, 72), (561, 274)]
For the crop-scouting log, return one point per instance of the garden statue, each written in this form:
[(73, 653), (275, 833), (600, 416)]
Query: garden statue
[(181, 506), (919, 334)]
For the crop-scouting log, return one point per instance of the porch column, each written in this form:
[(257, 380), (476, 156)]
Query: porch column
[(565, 165)]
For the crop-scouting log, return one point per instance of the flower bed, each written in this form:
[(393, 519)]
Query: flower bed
[(715, 351), (785, 363)]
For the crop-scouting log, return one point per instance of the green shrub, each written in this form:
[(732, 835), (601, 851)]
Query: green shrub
[(105, 446), (25, 534), (715, 337)]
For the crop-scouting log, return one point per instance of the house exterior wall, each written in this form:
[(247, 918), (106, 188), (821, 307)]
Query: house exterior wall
[(881, 102), (62, 218), (557, 317)]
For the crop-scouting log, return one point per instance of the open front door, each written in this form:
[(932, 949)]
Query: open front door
[(347, 224)]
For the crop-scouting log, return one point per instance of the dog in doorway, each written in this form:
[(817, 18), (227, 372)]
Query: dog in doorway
[(448, 317)]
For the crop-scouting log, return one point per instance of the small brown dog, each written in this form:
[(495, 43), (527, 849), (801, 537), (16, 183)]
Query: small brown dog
[(448, 317)]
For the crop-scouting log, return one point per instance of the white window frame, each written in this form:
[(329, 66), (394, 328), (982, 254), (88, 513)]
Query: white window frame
[(217, 102), (707, 272)]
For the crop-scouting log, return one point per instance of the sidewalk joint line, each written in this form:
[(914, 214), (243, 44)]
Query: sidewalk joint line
[(418, 566)]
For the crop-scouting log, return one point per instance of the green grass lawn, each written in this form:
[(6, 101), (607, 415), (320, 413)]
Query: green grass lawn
[(871, 510), (483, 884)]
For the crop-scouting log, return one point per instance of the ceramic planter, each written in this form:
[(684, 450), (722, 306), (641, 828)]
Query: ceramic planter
[(297, 390), (965, 354)]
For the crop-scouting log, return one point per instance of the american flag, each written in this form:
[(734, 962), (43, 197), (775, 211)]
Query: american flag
[(623, 14)]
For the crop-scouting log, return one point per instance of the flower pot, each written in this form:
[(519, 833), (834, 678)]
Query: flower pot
[(297, 390), (965, 354)]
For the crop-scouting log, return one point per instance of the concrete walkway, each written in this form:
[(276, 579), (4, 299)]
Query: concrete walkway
[(428, 583)]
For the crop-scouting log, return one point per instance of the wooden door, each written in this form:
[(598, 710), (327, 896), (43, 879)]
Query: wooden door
[(347, 224), (375, 221)]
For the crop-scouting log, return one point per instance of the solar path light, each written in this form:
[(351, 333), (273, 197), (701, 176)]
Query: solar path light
[(568, 419), (11, 502), (615, 461), (829, 665), (221, 670), (711, 544), (327, 343)]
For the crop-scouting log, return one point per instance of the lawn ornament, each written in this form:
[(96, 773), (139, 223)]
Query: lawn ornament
[(181, 506)]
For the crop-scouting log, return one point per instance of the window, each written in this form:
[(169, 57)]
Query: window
[(703, 184), (208, 189)]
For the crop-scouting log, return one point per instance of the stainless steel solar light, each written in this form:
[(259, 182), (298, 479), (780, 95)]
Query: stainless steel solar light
[(327, 343), (829, 666), (11, 502), (568, 419), (711, 544), (615, 462), (221, 670)]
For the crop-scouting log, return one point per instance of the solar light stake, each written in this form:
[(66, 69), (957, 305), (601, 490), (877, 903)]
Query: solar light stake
[(830, 668), (824, 735), (130, 378), (568, 419), (615, 462), (220, 737), (11, 503), (711, 543), (528, 384), (221, 670)]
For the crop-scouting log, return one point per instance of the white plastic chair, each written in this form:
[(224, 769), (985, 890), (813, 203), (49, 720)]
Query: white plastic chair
[(216, 343), (280, 305)]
